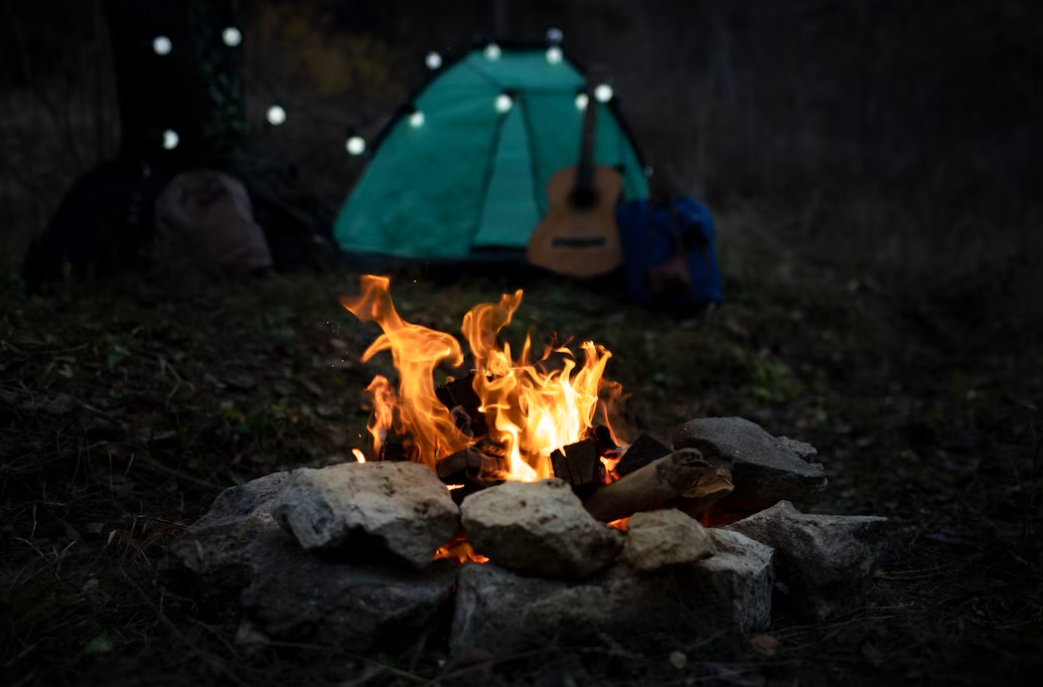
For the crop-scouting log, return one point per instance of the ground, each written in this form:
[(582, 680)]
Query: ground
[(126, 407)]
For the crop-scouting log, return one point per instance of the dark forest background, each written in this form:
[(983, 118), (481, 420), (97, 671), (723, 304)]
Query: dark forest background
[(897, 135)]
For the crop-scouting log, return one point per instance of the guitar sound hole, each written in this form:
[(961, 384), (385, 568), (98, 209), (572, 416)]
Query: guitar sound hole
[(583, 198), (591, 242)]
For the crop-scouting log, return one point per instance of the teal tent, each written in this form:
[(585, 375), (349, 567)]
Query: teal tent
[(461, 171)]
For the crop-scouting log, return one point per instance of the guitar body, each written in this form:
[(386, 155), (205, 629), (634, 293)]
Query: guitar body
[(578, 235)]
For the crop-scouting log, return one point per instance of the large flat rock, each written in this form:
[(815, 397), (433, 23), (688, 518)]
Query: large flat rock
[(765, 469), (296, 596), (397, 508), (538, 528), (728, 595), (824, 560)]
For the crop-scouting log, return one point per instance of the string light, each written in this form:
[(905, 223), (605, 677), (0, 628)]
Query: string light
[(603, 93), (504, 103), (492, 52), (433, 60), (554, 54), (170, 139), (581, 101), (554, 35), (276, 115), (416, 120), (162, 45), (231, 36), (356, 145)]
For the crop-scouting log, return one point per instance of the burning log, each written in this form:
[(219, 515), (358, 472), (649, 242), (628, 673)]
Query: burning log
[(643, 451), (650, 487), (579, 464), (459, 396), (395, 450)]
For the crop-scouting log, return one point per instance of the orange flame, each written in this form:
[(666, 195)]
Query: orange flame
[(529, 411)]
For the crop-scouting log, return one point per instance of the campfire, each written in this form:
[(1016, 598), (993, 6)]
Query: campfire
[(500, 509), (507, 418)]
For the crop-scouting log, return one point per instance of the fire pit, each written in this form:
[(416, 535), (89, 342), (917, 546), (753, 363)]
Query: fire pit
[(502, 510)]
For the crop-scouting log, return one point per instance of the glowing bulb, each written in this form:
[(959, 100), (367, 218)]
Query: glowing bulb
[(603, 93), (162, 45), (554, 54), (581, 101), (416, 119), (170, 139), (356, 145), (231, 37), (554, 35), (492, 52), (276, 115), (504, 103), (433, 60)]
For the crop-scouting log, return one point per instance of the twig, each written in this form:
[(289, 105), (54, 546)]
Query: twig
[(180, 475), (180, 636)]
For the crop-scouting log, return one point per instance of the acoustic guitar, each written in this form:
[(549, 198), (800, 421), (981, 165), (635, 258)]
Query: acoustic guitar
[(578, 235)]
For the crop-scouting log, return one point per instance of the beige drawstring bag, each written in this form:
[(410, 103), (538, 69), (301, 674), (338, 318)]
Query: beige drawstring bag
[(205, 217)]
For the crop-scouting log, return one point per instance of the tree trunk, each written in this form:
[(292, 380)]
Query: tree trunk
[(501, 14), (195, 90)]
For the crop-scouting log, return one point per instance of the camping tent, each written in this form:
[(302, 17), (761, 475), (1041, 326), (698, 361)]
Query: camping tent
[(460, 173)]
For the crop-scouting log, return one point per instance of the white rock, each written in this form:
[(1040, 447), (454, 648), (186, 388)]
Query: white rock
[(663, 538), (397, 507), (825, 560), (538, 528)]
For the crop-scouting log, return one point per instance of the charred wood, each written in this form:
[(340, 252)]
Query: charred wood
[(395, 450), (580, 465), (460, 393)]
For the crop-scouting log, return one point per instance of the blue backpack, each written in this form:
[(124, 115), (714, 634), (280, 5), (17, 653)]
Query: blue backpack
[(668, 253)]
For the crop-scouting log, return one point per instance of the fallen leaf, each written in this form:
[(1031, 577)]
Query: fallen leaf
[(241, 382), (312, 387), (328, 411), (102, 644), (766, 645), (61, 405)]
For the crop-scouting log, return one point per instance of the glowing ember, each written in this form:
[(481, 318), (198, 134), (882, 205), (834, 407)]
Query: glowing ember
[(359, 455), (530, 412)]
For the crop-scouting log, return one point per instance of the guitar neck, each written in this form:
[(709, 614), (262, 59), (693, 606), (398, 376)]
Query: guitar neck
[(585, 168)]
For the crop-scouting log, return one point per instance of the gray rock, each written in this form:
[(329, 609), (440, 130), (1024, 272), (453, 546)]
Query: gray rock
[(824, 560), (765, 470), (236, 503), (215, 550), (664, 538), (297, 596), (738, 581), (395, 507), (538, 528), (726, 596)]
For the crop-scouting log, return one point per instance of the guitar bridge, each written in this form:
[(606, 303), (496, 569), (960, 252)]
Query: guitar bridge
[(591, 242)]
